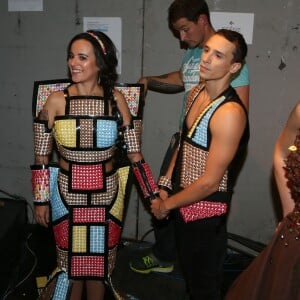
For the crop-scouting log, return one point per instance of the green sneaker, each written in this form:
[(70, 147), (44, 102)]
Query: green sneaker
[(150, 263)]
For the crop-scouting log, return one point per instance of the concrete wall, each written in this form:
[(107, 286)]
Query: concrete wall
[(33, 47)]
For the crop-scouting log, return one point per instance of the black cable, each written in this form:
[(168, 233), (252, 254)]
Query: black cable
[(21, 199), (9, 290), (16, 197), (253, 245), (145, 234)]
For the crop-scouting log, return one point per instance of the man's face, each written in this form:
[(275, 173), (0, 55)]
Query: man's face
[(217, 59), (189, 32)]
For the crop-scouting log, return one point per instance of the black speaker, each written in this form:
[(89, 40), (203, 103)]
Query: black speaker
[(13, 221)]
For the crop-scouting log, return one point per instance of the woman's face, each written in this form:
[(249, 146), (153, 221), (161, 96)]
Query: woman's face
[(82, 62)]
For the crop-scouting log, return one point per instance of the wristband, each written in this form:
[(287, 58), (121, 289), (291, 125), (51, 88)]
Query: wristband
[(40, 184), (145, 179), (165, 183)]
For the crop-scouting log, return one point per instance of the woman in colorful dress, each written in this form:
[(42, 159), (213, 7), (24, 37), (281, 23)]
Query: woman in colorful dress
[(83, 196)]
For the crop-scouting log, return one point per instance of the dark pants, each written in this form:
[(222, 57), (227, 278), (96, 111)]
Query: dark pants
[(164, 232), (202, 250)]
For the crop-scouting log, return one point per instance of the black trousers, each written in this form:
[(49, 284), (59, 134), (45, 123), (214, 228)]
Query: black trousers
[(202, 249), (165, 246)]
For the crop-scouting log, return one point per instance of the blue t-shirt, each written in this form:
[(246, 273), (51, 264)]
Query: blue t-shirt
[(190, 69)]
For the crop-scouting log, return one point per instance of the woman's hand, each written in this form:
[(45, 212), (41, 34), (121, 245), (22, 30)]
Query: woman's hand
[(158, 209), (41, 213)]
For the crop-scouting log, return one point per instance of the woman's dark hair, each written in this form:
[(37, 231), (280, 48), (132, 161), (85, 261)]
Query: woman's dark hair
[(238, 40), (106, 59), (292, 168)]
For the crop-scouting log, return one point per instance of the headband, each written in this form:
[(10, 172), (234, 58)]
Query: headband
[(99, 41)]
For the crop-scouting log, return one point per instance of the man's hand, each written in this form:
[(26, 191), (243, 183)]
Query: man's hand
[(144, 81), (158, 209), (163, 194), (41, 213)]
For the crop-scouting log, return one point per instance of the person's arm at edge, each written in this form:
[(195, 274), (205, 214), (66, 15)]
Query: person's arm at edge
[(281, 151), (170, 83)]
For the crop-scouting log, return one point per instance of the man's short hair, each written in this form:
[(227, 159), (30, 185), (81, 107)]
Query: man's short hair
[(189, 9), (238, 40)]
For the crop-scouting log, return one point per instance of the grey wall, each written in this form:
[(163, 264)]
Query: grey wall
[(33, 47)]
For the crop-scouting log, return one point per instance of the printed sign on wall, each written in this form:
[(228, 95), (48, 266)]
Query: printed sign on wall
[(111, 27), (241, 22), (28, 5)]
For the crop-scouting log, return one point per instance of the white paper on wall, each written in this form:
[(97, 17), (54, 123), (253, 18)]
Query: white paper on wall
[(241, 22), (111, 26), (25, 5)]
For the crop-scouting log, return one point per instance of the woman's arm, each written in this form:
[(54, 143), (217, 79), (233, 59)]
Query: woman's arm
[(281, 151), (127, 124), (132, 132), (43, 141)]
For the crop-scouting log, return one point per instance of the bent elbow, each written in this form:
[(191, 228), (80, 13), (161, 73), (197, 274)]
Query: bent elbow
[(134, 157), (210, 187)]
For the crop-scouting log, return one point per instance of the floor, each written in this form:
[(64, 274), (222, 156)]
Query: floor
[(151, 286), (38, 259)]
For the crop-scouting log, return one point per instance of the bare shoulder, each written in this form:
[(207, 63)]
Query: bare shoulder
[(55, 105), (119, 97), (293, 121), (296, 111), (55, 98), (229, 117), (232, 108)]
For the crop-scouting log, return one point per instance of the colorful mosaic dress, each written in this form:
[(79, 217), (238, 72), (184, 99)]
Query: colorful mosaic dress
[(86, 201)]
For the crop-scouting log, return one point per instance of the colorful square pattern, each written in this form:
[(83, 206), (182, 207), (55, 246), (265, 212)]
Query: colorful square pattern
[(114, 234), (88, 215), (87, 178), (42, 89), (86, 266), (132, 96), (79, 239), (97, 239), (61, 234)]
